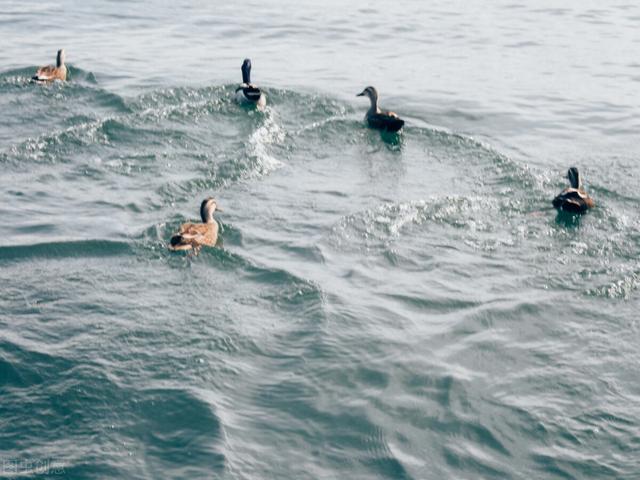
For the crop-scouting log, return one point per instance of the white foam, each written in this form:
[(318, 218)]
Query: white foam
[(267, 134)]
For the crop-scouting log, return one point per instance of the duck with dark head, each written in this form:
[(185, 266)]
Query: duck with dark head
[(573, 199), (247, 93), (193, 236), (51, 73)]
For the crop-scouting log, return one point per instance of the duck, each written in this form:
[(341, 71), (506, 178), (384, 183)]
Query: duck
[(193, 236), (377, 118), (51, 73), (573, 199), (247, 93)]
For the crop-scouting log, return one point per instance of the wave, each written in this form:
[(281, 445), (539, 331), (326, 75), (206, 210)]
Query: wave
[(267, 134), (378, 226), (63, 249), (184, 103), (198, 141), (621, 286), (468, 223), (24, 74), (281, 287)]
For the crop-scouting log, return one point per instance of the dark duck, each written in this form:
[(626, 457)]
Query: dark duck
[(573, 199), (247, 92), (377, 118)]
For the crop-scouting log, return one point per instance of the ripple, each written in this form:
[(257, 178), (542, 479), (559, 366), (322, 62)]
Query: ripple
[(388, 309), (77, 248), (174, 430), (377, 227)]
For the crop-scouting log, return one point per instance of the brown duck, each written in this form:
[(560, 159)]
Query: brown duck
[(193, 236), (573, 199), (51, 73), (377, 118)]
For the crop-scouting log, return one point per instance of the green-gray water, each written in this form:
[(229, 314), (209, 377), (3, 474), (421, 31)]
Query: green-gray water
[(381, 307)]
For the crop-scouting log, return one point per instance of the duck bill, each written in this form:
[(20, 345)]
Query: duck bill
[(361, 94)]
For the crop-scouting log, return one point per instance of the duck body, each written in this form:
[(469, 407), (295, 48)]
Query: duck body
[(247, 93), (377, 118), (573, 199), (193, 236), (387, 121), (51, 73)]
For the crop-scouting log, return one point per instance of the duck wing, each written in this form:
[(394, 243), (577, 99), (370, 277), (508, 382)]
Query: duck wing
[(44, 73), (49, 73), (573, 200), (194, 235)]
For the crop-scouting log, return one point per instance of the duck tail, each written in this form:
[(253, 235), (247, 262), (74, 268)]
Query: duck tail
[(176, 240)]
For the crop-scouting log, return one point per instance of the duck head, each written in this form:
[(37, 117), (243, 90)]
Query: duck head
[(574, 178), (372, 93), (60, 58), (246, 71), (208, 206)]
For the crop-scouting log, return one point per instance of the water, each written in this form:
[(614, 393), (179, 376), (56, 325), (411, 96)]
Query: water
[(382, 307)]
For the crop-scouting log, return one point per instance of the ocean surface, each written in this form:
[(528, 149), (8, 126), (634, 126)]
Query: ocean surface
[(382, 307)]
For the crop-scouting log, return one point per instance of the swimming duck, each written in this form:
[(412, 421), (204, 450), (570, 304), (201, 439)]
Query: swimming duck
[(248, 93), (51, 73), (377, 118), (192, 236), (573, 199)]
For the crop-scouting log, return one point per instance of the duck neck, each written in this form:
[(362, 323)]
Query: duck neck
[(206, 214), (575, 181), (374, 105), (59, 60), (246, 74)]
